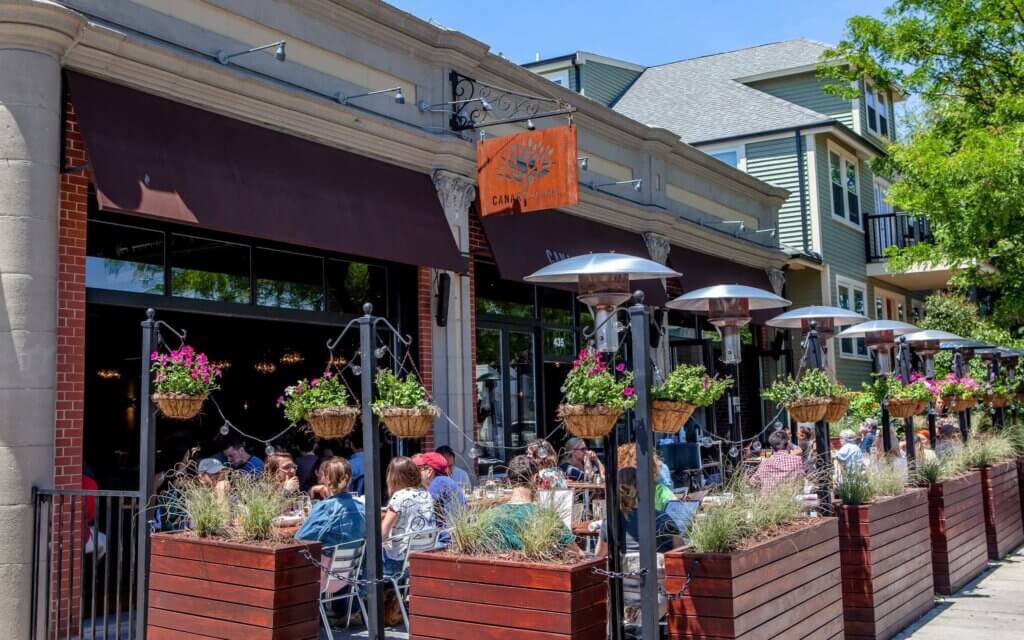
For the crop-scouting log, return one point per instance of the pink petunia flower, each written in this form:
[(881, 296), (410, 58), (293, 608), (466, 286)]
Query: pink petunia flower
[(620, 367), (629, 392)]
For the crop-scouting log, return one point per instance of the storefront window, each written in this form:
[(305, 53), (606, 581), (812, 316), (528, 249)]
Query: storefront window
[(288, 280), (124, 258), (522, 389), (350, 284), (490, 394), (209, 269), (558, 344), (498, 297), (555, 306)]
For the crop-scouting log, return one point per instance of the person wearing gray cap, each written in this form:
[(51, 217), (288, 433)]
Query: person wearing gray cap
[(211, 474)]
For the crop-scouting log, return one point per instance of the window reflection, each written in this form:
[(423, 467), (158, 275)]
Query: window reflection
[(288, 280), (522, 390), (490, 394), (209, 269), (495, 296), (124, 258), (350, 284)]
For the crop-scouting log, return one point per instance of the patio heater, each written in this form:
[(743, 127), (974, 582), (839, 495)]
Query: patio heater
[(817, 325), (926, 344), (996, 358), (728, 307), (963, 351), (603, 283), (880, 337)]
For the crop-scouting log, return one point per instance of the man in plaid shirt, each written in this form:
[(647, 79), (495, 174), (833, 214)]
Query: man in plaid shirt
[(781, 466)]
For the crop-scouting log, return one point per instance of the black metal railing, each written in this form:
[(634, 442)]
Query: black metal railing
[(85, 570), (884, 230)]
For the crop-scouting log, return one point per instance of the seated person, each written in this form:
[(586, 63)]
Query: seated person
[(446, 493), (458, 474), (283, 471), (574, 461), (509, 518), (211, 474), (339, 518), (239, 458), (781, 466), (849, 455), (949, 438), (549, 476), (410, 509), (663, 493), (664, 526)]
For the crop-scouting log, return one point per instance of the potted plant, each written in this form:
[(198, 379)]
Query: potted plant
[(402, 405), (477, 589), (323, 403), (887, 581), (182, 380), (994, 456), (956, 394), (755, 567), (685, 389), (227, 575), (839, 403), (907, 399), (957, 515), (1015, 434), (596, 395), (807, 400), (998, 392)]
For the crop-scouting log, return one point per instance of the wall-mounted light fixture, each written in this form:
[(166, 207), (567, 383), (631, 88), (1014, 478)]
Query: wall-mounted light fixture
[(637, 183), (398, 97), (224, 57), (584, 162), (441, 107), (529, 125)]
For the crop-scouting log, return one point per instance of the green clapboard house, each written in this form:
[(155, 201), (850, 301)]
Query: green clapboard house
[(765, 111)]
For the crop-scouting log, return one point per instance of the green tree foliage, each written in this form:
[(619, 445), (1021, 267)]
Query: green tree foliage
[(960, 163), (956, 314)]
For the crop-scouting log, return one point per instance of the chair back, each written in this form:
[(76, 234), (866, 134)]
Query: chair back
[(344, 562)]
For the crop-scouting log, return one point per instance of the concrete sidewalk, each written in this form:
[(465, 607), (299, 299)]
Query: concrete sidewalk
[(991, 607)]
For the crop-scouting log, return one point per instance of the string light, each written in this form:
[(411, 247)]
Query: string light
[(221, 364), (734, 452), (756, 447)]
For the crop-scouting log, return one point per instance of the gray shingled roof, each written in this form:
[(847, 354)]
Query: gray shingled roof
[(700, 99)]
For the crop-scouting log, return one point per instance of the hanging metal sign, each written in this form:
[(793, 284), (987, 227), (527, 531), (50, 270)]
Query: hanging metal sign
[(529, 171)]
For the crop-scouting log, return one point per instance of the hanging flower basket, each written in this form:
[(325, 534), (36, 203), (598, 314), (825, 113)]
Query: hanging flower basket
[(955, 404), (588, 421), (669, 417), (402, 422), (332, 422), (808, 409), (179, 406), (998, 401), (903, 407), (837, 408)]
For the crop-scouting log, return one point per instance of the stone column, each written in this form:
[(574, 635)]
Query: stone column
[(658, 247), (453, 365), (33, 36)]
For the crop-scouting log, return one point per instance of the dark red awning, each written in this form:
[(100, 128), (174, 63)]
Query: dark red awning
[(524, 243), (155, 157), (704, 270)]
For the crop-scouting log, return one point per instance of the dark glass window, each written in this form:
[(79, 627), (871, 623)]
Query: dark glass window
[(124, 258), (555, 306), (558, 344), (350, 284), (288, 280), (495, 296), (209, 269)]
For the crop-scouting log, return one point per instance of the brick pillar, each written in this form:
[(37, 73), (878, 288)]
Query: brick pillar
[(424, 294)]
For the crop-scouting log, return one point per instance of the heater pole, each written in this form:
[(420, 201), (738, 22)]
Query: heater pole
[(823, 452), (963, 416), (640, 329), (371, 444), (908, 423)]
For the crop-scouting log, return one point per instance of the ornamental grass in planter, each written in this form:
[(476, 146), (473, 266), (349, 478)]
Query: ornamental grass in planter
[(758, 570), (597, 393), (322, 403), (957, 517), (402, 405), (684, 390), (884, 537), (227, 575), (182, 380), (995, 457), (807, 399), (479, 589)]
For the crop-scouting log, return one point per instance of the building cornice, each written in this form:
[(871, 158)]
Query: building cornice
[(39, 25)]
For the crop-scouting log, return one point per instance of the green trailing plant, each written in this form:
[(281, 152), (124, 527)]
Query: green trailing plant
[(814, 383), (594, 382), (864, 406), (985, 450), (308, 395), (405, 393), (839, 390), (747, 514), (693, 385), (883, 388)]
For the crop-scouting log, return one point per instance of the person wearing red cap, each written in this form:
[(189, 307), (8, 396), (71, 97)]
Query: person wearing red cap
[(447, 494)]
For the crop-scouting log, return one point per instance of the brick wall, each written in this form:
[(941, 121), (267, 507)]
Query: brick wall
[(424, 293)]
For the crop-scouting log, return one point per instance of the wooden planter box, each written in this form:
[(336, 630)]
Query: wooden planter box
[(458, 597), (959, 546), (787, 587), (200, 589), (1020, 486), (886, 564), (1002, 509)]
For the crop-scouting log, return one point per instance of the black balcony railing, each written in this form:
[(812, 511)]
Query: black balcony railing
[(884, 230)]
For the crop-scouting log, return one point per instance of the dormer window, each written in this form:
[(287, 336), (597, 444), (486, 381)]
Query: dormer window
[(878, 111)]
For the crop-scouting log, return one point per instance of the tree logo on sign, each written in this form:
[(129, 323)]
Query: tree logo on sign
[(525, 162)]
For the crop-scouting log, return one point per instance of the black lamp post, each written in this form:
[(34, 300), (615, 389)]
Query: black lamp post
[(926, 344), (603, 283), (963, 351)]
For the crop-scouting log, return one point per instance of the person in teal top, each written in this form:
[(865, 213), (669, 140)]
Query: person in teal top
[(511, 517)]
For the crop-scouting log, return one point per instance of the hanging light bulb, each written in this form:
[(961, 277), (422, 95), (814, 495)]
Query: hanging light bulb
[(221, 364), (224, 430), (269, 449), (475, 452), (356, 369), (734, 452), (337, 361), (778, 426), (108, 374), (380, 352), (756, 447), (706, 442)]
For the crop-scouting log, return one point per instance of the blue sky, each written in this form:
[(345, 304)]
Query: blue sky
[(646, 32)]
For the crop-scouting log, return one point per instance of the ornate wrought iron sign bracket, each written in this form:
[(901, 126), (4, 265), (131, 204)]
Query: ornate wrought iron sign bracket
[(478, 104)]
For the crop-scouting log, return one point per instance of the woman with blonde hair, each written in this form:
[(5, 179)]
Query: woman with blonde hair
[(662, 492)]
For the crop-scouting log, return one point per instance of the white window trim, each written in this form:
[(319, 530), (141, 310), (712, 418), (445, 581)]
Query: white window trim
[(851, 284), (869, 90), (897, 299), (740, 150), (845, 156), (883, 186)]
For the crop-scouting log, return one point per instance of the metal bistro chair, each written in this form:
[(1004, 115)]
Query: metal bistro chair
[(345, 562), (425, 540)]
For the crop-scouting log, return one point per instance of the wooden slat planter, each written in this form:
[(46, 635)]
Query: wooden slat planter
[(1020, 486), (202, 589), (1003, 525), (458, 597), (959, 546), (886, 564), (787, 587)]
